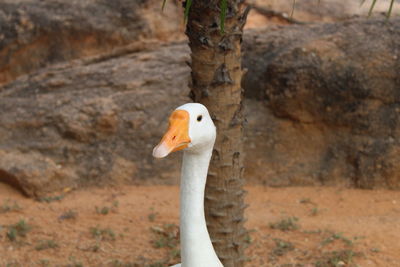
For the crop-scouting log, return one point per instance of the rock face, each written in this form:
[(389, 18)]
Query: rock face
[(91, 121), (322, 103), (326, 10), (34, 34), (332, 103), (278, 12)]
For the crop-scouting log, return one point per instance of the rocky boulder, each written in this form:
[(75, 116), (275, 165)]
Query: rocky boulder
[(34, 34), (309, 11), (332, 103), (91, 121)]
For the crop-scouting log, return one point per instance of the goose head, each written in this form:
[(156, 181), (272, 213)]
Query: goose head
[(190, 128)]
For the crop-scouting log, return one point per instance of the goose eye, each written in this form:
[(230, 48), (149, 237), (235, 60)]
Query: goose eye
[(199, 118)]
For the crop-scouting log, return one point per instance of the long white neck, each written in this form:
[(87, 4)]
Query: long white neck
[(196, 246)]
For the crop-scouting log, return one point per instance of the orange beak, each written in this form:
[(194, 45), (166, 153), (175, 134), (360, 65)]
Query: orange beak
[(177, 136)]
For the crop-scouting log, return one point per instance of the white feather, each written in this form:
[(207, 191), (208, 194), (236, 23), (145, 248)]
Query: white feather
[(196, 247)]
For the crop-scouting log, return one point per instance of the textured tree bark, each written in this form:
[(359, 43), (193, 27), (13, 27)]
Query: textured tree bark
[(216, 83)]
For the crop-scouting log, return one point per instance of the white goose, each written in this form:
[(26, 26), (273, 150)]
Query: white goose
[(192, 129)]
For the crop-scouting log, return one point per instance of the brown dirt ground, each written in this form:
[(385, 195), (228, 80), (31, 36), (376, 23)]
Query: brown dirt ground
[(362, 225)]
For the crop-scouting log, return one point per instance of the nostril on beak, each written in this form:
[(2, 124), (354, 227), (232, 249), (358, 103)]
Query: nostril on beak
[(173, 138)]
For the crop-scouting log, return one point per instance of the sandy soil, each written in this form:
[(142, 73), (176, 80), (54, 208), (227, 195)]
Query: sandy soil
[(123, 227)]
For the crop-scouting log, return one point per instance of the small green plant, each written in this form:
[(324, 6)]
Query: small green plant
[(282, 247), (248, 239), (95, 248), (166, 236), (19, 229), (152, 216), (286, 224), (118, 263), (13, 264), (103, 210), (315, 211), (318, 231), (107, 209), (74, 262), (337, 258), (68, 215), (9, 205), (375, 250), (157, 264), (50, 199), (44, 262), (306, 201), (46, 244), (145, 262), (337, 236), (175, 253), (102, 234), (12, 234)]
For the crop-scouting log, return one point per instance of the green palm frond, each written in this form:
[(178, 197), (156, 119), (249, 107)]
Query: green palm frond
[(224, 7), (388, 14), (372, 7), (187, 9), (293, 6), (390, 9)]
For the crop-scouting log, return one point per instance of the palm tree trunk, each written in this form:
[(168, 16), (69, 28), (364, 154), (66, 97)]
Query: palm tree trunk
[(216, 83)]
